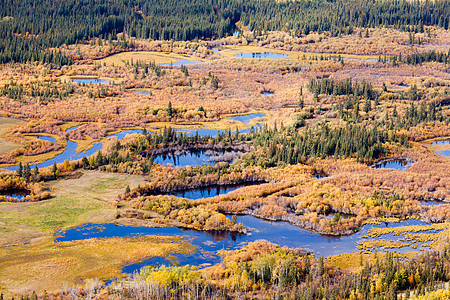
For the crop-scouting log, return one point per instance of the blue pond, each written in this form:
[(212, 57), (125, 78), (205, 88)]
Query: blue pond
[(214, 132), (72, 128), (180, 62), (441, 143), (141, 92), (89, 81), (46, 138), (208, 243), (209, 192), (123, 133), (261, 55), (397, 164), (432, 203), (247, 118), (19, 194), (193, 158)]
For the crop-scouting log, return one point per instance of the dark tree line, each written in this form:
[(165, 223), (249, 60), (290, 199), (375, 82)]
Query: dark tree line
[(292, 147), (29, 27), (329, 86)]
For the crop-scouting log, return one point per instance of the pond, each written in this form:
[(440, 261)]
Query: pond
[(180, 62), (45, 138), (141, 92), (260, 55), (214, 132), (18, 194), (72, 128), (321, 174), (123, 133), (441, 147), (267, 93), (211, 191), (432, 203), (247, 118), (397, 164), (208, 243), (196, 158), (89, 81)]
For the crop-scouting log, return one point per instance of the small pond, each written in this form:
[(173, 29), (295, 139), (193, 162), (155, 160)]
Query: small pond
[(208, 243), (320, 174), (123, 133), (432, 203), (247, 118), (214, 132), (397, 164), (210, 191), (89, 81), (72, 128), (19, 194), (45, 138), (141, 92), (196, 158), (260, 55), (441, 147), (266, 93), (180, 62)]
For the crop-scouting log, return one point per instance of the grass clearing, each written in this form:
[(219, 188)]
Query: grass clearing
[(354, 261), (5, 125), (89, 198), (50, 266)]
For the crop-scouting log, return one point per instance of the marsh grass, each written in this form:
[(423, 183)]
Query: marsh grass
[(85, 199), (48, 266)]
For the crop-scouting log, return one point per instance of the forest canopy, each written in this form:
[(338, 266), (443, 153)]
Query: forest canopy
[(28, 28)]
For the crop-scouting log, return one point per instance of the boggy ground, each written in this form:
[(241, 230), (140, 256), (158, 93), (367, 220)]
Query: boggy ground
[(202, 97)]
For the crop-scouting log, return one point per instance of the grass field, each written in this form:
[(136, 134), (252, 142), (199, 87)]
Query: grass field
[(86, 199), (50, 266), (5, 125), (42, 264)]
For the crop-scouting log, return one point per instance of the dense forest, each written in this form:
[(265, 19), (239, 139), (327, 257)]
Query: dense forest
[(25, 37)]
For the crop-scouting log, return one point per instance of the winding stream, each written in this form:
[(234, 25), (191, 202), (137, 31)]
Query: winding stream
[(208, 243), (189, 158)]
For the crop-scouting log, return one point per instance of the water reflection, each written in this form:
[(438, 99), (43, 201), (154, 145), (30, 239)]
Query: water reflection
[(89, 81), (209, 242), (397, 164)]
